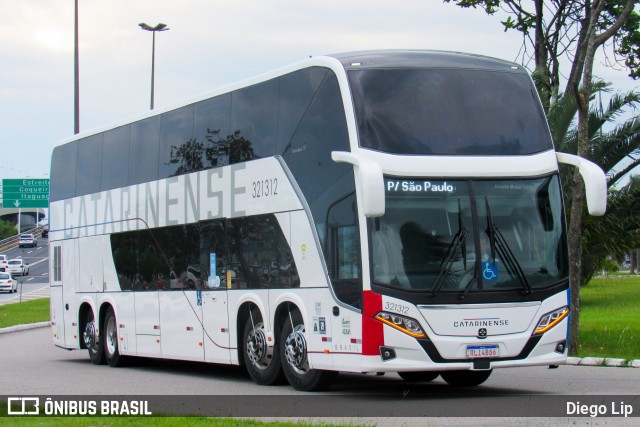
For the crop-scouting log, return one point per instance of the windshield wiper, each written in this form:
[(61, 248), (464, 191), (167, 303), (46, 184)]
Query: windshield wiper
[(459, 243), (499, 243)]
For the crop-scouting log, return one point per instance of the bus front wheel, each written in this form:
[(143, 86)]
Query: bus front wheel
[(294, 354), (261, 360), (465, 378)]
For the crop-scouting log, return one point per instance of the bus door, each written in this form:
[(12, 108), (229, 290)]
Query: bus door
[(181, 323), (69, 297), (216, 321), (345, 271), (147, 309), (57, 306), (63, 295), (217, 277)]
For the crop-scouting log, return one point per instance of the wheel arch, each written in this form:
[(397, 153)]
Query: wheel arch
[(283, 304), (83, 310), (104, 307), (241, 318), (282, 313)]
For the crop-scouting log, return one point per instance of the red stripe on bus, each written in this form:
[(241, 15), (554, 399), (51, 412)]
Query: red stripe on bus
[(372, 330)]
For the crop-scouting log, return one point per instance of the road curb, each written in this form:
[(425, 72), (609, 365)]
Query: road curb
[(17, 328), (602, 361)]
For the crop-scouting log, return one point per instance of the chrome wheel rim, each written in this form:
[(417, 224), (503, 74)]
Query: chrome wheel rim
[(112, 336), (295, 350), (89, 336), (259, 353)]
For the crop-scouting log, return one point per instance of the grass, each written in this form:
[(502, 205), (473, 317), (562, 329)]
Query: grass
[(609, 318), (33, 311), (144, 422)]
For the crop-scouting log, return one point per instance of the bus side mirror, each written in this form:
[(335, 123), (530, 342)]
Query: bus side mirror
[(368, 179), (595, 183)]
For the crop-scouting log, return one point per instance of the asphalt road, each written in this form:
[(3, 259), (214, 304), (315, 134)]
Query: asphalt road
[(32, 366), (37, 366), (38, 259)]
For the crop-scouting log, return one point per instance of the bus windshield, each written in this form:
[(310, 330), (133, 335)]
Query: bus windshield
[(470, 235), (448, 112)]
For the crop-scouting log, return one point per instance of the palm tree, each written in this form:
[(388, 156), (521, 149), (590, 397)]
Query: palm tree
[(616, 149)]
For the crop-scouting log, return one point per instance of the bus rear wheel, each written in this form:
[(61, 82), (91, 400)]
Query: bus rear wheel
[(91, 339), (465, 378), (295, 362), (261, 360), (110, 341), (419, 377)]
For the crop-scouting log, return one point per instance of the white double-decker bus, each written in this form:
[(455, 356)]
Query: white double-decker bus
[(392, 211)]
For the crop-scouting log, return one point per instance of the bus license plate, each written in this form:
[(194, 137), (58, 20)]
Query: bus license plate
[(481, 351)]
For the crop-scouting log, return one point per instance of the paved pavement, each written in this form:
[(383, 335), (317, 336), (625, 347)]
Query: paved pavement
[(17, 297)]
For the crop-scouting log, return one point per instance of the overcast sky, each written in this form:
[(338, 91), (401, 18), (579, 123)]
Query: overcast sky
[(210, 43)]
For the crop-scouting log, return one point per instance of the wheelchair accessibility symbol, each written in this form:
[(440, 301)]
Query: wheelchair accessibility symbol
[(490, 271)]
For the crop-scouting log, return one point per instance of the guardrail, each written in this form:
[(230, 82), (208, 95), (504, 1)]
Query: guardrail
[(12, 242)]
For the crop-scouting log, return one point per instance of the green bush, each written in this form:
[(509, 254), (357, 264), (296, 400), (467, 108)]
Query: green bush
[(7, 229)]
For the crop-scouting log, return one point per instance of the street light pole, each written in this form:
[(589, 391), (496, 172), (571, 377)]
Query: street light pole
[(159, 27), (76, 77)]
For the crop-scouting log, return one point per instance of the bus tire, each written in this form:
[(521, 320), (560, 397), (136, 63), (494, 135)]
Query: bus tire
[(91, 339), (110, 341), (294, 355), (262, 362), (419, 377), (465, 378)]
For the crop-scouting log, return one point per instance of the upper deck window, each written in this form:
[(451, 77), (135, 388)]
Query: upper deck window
[(448, 112)]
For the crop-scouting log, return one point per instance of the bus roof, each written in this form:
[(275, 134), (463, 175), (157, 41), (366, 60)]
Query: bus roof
[(423, 59), (348, 60)]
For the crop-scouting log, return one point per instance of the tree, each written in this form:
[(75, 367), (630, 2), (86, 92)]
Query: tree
[(554, 31), (575, 30), (7, 229)]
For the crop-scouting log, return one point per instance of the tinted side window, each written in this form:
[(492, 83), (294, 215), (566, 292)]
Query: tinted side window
[(212, 128), (343, 250), (158, 259), (254, 118), (214, 252), (115, 158), (179, 152), (448, 112), (89, 169), (323, 129), (260, 256), (144, 150), (326, 185), (249, 253), (296, 93), (139, 261), (64, 161)]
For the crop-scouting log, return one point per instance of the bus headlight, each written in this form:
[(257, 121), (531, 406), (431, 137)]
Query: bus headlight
[(404, 324), (551, 319)]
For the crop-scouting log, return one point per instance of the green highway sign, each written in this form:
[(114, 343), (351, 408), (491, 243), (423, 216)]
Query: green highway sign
[(25, 193)]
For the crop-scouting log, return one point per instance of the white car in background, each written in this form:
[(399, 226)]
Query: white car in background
[(3, 262), (7, 283), (28, 240), (18, 266)]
